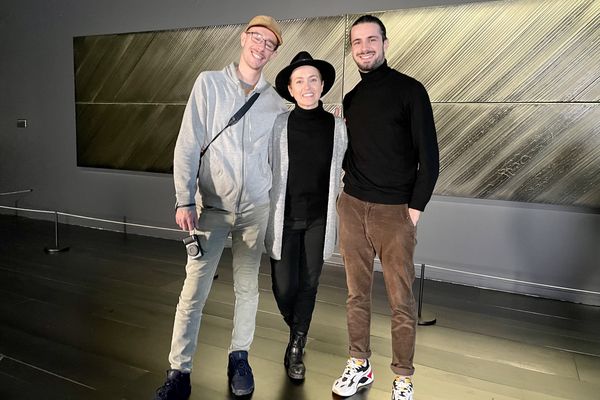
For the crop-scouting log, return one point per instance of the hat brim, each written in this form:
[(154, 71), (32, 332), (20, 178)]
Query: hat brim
[(283, 77)]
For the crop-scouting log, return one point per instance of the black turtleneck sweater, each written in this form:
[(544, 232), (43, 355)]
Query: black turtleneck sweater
[(392, 155), (310, 148)]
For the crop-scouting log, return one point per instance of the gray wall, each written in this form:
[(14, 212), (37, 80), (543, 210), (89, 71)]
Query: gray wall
[(545, 250)]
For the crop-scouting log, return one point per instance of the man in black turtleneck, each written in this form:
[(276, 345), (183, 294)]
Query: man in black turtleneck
[(391, 167)]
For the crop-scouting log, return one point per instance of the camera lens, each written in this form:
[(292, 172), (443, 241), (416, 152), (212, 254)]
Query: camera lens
[(193, 250), (192, 246)]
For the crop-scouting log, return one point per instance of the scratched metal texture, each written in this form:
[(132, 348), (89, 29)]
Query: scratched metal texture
[(515, 87)]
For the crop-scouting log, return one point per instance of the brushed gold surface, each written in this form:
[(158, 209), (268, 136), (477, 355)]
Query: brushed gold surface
[(323, 38), (507, 51), (543, 153), (138, 137), (515, 87)]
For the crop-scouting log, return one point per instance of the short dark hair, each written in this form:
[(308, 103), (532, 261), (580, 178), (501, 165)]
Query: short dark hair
[(368, 18)]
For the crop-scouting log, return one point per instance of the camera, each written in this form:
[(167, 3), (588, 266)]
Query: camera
[(192, 246)]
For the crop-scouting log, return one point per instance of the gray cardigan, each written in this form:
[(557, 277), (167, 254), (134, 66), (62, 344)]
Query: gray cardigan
[(280, 166)]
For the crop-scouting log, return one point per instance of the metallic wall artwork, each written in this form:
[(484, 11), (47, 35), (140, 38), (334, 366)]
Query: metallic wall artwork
[(515, 87)]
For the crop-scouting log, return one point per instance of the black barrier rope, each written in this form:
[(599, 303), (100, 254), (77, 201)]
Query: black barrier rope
[(16, 192), (58, 249)]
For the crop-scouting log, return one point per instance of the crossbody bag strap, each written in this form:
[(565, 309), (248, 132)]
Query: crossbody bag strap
[(234, 120)]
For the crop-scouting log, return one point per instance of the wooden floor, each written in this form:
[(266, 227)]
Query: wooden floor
[(95, 323)]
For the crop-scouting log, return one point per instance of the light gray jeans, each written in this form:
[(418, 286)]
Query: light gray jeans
[(248, 232)]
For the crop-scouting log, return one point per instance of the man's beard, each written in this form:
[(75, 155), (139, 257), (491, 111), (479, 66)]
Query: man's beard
[(370, 65)]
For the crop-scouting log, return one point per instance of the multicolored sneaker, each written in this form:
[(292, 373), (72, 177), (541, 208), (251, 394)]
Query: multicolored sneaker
[(357, 374), (402, 388)]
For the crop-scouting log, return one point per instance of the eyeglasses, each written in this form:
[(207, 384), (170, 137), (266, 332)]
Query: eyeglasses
[(260, 39)]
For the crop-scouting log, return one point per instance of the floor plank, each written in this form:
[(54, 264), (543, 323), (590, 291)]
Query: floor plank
[(95, 323)]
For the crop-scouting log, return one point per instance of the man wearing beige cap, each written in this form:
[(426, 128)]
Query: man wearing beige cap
[(229, 175)]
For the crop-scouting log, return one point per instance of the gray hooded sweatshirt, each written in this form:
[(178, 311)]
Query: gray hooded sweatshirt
[(234, 174)]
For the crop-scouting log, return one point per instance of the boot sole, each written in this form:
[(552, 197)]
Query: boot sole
[(295, 377)]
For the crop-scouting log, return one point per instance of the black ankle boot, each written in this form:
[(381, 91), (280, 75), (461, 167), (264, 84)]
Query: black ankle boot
[(293, 356)]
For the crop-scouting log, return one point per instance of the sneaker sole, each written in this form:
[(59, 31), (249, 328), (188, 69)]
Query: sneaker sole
[(358, 386), (241, 392)]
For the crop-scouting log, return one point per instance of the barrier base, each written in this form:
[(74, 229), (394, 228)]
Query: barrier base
[(54, 250), (424, 321)]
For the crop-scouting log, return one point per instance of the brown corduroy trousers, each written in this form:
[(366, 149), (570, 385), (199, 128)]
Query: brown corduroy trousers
[(369, 229)]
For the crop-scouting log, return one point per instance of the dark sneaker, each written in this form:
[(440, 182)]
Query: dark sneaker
[(176, 387), (241, 380)]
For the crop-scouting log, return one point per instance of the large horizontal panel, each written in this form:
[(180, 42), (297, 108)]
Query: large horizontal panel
[(515, 87), (543, 153), (150, 67), (534, 153), (508, 51), (135, 137), (161, 67), (127, 136)]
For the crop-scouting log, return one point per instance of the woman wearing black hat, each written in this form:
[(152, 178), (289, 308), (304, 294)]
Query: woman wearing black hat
[(308, 149)]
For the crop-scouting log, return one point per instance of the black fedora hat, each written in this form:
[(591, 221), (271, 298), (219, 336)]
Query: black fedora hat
[(304, 58)]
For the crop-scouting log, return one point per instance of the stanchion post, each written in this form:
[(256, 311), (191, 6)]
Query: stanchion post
[(423, 321), (56, 248)]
